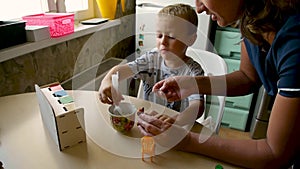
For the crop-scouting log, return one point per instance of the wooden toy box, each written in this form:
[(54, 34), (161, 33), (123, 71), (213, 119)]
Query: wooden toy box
[(63, 120)]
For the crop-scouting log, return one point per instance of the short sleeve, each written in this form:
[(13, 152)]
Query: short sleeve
[(143, 64), (287, 58)]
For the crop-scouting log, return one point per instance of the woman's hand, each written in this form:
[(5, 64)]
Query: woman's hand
[(162, 128), (176, 88), (152, 124)]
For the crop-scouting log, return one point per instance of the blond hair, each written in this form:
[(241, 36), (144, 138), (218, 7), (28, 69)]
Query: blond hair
[(183, 11)]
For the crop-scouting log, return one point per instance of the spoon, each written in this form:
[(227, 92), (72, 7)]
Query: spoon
[(115, 83)]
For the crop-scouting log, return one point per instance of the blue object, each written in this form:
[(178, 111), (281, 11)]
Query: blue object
[(60, 93)]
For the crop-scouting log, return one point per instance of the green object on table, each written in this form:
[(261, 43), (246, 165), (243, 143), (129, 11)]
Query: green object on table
[(218, 166), (66, 99)]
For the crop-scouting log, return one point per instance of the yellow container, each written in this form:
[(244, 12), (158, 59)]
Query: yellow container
[(108, 8)]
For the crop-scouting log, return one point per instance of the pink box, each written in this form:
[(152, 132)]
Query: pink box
[(59, 23)]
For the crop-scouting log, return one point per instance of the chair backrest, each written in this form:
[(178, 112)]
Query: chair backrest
[(148, 145), (212, 65)]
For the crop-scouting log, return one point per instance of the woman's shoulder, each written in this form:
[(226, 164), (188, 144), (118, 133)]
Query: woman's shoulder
[(294, 19), (288, 37), (291, 26)]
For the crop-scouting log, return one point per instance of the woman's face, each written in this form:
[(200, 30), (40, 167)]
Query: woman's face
[(224, 12)]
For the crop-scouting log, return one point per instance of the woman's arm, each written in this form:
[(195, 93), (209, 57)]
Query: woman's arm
[(194, 111), (240, 82), (276, 151), (246, 79)]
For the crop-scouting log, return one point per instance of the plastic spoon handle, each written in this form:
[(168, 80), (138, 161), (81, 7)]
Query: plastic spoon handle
[(115, 83)]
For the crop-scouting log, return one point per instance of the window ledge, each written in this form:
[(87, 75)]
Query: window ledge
[(80, 30)]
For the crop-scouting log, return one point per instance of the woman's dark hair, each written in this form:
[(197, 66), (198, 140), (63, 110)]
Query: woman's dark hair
[(263, 16)]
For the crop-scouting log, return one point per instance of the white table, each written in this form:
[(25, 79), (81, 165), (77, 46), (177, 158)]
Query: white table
[(26, 144)]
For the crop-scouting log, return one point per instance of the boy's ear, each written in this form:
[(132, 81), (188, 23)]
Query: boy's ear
[(191, 40)]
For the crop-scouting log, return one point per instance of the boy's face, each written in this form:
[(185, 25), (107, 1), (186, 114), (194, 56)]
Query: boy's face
[(173, 35)]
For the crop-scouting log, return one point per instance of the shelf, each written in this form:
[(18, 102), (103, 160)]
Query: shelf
[(80, 30)]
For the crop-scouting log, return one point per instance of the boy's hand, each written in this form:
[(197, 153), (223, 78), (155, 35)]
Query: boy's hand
[(107, 94)]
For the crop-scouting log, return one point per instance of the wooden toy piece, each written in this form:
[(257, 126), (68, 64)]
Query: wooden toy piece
[(148, 147), (63, 120)]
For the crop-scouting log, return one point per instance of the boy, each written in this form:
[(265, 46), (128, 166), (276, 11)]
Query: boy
[(176, 30)]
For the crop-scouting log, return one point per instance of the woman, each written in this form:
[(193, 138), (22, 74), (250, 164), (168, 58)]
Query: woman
[(270, 56)]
